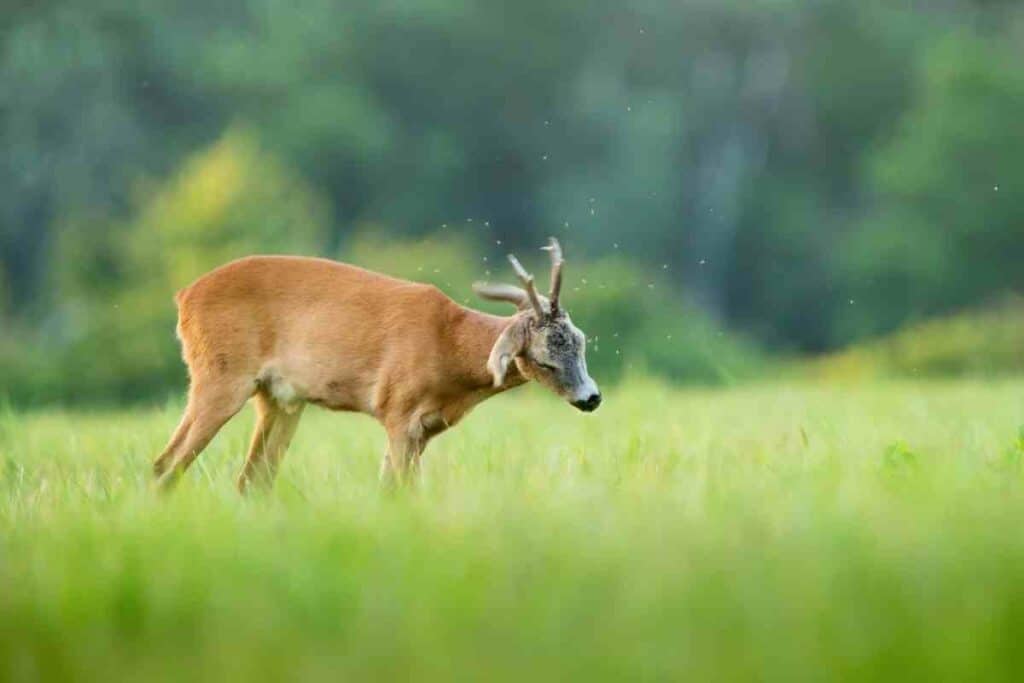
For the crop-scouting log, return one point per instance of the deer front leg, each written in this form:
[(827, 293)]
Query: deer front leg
[(402, 461)]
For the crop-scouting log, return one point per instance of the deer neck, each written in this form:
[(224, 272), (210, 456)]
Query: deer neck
[(473, 336)]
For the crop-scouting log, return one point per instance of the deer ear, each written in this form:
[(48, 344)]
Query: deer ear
[(510, 344)]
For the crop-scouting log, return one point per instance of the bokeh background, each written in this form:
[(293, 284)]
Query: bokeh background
[(739, 186)]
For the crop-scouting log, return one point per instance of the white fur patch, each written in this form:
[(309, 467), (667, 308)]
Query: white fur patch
[(284, 394)]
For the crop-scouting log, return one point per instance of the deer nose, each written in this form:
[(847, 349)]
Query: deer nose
[(589, 404)]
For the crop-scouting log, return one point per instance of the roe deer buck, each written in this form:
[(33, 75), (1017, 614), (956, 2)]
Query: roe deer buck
[(291, 331)]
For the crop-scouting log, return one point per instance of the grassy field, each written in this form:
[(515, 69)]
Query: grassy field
[(777, 532)]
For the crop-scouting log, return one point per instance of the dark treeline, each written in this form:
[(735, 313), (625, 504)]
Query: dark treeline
[(809, 173)]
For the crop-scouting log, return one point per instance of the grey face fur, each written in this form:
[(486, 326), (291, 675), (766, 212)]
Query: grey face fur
[(555, 356)]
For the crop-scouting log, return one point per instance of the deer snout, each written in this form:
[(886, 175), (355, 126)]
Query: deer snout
[(590, 403), (586, 397)]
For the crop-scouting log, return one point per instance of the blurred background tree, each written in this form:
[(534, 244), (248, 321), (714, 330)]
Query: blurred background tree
[(948, 226), (732, 179)]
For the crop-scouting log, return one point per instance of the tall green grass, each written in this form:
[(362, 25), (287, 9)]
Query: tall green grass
[(776, 532)]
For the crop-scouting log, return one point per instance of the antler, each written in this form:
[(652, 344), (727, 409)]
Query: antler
[(556, 273), (527, 296), (527, 281)]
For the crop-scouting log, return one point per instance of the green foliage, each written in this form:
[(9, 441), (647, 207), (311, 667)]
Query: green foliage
[(674, 535), (637, 321), (950, 228), (112, 335), (228, 201), (987, 342), (782, 158), (450, 262), (4, 295)]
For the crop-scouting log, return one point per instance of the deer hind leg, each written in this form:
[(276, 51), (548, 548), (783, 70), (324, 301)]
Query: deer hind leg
[(274, 430), (210, 405)]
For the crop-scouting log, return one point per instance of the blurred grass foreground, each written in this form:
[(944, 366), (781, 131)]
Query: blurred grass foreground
[(773, 533)]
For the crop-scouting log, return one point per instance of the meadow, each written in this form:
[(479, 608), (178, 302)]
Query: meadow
[(780, 531)]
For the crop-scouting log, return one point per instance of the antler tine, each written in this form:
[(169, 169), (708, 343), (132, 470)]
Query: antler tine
[(527, 281), (556, 272)]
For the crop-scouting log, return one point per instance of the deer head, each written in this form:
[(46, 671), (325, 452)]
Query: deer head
[(542, 340)]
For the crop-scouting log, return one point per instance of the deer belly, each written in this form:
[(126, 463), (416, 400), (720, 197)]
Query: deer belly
[(342, 394)]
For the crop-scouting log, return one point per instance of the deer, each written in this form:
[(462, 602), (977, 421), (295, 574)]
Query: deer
[(288, 331)]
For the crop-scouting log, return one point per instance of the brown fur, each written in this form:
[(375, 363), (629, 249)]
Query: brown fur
[(292, 330)]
